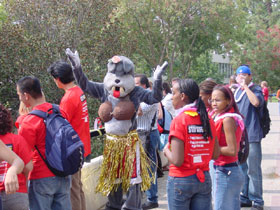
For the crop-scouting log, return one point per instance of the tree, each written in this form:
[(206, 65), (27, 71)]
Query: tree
[(177, 31), (37, 32), (261, 48)]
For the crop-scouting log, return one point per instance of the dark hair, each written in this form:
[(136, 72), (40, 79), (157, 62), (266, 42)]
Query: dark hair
[(61, 70), (143, 80), (30, 85), (6, 122), (207, 86), (191, 89), (166, 87), (228, 95), (175, 79)]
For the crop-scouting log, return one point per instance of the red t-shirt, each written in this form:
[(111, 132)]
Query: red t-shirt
[(19, 120), (265, 93), (74, 104), (33, 129), (18, 145), (198, 151), (223, 159), (278, 94)]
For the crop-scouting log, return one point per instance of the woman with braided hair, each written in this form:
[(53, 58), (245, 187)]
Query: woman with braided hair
[(192, 144)]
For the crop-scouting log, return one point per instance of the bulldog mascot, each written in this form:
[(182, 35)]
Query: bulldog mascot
[(125, 167)]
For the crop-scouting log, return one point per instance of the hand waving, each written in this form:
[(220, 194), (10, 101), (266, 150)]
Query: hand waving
[(160, 70), (73, 58)]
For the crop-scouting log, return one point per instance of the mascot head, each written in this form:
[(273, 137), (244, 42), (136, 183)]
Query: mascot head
[(119, 80)]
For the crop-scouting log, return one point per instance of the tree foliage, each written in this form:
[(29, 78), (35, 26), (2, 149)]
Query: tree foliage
[(261, 48), (37, 32), (178, 31)]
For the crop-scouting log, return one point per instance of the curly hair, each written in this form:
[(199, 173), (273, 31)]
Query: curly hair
[(6, 122)]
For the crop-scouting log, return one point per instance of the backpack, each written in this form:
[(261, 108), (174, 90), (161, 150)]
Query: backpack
[(165, 122), (264, 120), (243, 147), (264, 117), (64, 149)]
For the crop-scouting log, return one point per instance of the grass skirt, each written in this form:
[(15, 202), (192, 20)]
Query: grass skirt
[(118, 165)]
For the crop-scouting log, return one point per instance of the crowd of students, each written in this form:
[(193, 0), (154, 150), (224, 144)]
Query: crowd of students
[(207, 125)]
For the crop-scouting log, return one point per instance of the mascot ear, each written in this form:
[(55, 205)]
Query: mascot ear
[(128, 66), (111, 66)]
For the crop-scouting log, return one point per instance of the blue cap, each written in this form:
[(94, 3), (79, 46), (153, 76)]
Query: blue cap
[(243, 69)]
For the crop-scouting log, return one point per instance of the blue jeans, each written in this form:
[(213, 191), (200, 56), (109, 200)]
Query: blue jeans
[(151, 148), (252, 189), (189, 193), (51, 193), (227, 188)]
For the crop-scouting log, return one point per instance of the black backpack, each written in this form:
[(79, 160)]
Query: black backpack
[(64, 149), (244, 147), (264, 117)]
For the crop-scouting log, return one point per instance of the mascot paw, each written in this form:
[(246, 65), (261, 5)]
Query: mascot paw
[(73, 58), (160, 70)]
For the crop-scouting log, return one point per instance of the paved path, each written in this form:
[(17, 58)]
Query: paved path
[(270, 167)]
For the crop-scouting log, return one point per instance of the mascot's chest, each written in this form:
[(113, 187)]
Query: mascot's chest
[(117, 114)]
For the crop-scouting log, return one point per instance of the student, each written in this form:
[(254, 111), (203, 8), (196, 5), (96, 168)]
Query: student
[(191, 146), (45, 191), (17, 144), (250, 100), (206, 88), (74, 104), (17, 165), (229, 126)]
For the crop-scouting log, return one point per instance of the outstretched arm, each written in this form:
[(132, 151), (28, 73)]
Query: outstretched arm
[(94, 89), (156, 95)]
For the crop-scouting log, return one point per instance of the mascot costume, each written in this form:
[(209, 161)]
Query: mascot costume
[(125, 167)]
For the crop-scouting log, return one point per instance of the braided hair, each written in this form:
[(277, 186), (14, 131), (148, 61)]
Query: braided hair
[(191, 89)]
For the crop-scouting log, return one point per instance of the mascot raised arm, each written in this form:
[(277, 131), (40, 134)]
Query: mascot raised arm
[(125, 167)]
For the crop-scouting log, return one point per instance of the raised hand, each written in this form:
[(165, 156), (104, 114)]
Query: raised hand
[(160, 70), (73, 58)]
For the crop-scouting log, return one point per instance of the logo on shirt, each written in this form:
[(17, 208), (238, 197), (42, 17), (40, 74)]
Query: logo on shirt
[(82, 97), (195, 129)]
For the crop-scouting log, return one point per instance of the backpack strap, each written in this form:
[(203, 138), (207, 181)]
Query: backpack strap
[(39, 113)]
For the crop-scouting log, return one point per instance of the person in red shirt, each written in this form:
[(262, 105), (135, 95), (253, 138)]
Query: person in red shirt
[(17, 144), (74, 104), (278, 98), (192, 144), (265, 90), (229, 126), (45, 191)]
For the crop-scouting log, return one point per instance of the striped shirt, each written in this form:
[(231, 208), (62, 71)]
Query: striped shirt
[(144, 121)]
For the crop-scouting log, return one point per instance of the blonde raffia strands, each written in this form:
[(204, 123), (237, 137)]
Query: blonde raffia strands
[(117, 167)]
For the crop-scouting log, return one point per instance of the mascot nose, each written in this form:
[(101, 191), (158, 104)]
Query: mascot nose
[(117, 81)]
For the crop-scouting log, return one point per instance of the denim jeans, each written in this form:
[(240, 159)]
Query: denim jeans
[(189, 193), (252, 189), (151, 148), (212, 175), (51, 193), (16, 201), (227, 188)]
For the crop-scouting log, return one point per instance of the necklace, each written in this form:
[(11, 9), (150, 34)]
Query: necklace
[(242, 94)]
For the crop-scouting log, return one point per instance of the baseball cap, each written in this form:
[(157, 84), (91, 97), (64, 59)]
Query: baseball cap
[(243, 69)]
